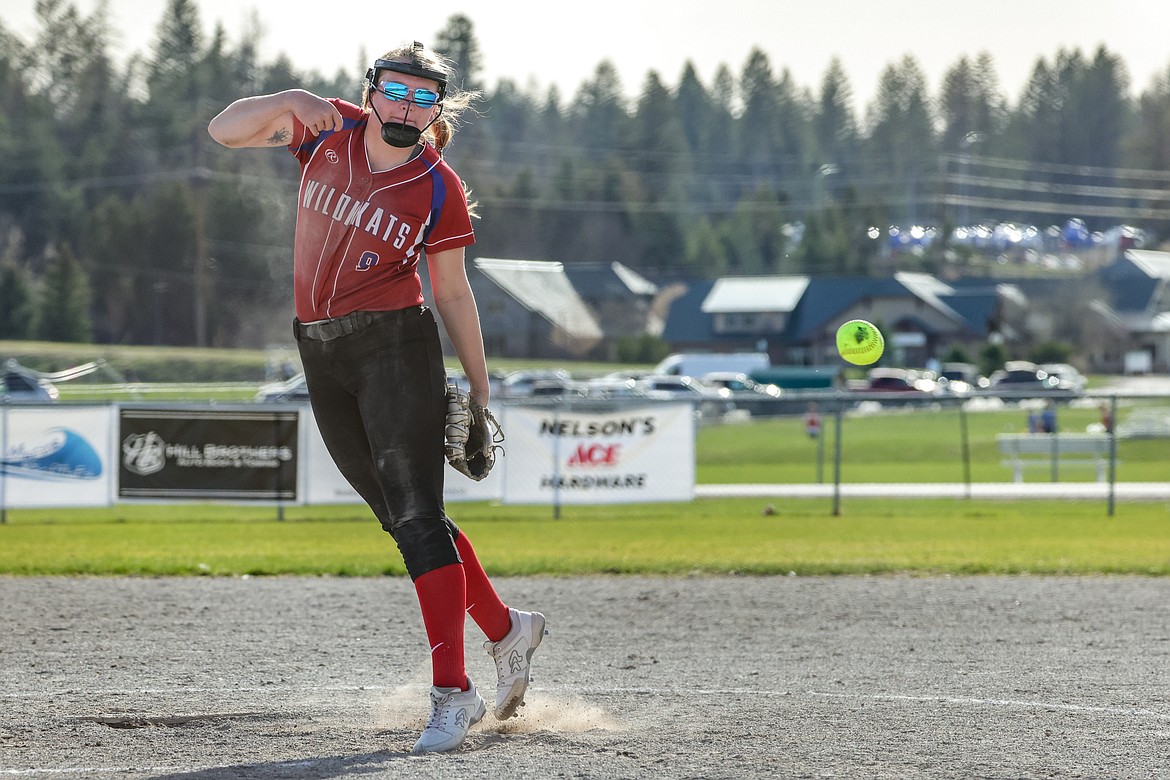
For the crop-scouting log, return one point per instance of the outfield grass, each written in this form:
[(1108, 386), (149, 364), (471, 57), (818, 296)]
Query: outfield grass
[(702, 537), (916, 446)]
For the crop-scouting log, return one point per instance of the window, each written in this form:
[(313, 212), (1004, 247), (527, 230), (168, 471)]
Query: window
[(749, 322)]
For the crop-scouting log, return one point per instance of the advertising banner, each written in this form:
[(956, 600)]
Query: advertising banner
[(208, 454), (56, 457), (323, 483), (637, 454)]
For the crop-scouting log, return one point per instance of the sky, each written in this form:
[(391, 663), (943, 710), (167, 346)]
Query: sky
[(541, 43)]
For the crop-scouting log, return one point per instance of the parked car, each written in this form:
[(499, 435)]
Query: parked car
[(738, 382), (685, 386), (1067, 377), (624, 374), (19, 384), (960, 379), (612, 386), (1023, 376), (557, 388), (747, 395), (290, 391), (709, 401), (520, 383), (898, 380)]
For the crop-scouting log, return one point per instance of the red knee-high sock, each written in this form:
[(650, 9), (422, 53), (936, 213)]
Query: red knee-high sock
[(442, 594), (483, 603)]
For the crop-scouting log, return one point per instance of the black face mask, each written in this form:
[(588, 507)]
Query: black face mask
[(399, 134)]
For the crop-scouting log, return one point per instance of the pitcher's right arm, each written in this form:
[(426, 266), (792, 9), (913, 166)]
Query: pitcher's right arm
[(267, 120)]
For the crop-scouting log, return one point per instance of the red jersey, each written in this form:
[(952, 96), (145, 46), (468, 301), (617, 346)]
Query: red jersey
[(359, 232)]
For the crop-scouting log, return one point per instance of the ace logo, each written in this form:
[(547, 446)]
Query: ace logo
[(596, 455)]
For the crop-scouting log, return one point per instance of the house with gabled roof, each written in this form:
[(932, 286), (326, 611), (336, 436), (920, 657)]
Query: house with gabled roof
[(549, 310), (622, 302), (531, 309), (732, 314), (527, 309), (795, 318), (1135, 311)]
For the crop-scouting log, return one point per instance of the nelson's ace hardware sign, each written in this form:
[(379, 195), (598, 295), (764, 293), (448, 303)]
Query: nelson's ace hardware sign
[(208, 454)]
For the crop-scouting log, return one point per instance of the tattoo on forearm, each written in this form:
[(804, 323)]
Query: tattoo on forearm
[(279, 138)]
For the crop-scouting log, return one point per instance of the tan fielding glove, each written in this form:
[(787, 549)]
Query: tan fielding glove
[(472, 435)]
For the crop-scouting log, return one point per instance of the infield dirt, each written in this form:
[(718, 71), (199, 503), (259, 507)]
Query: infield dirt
[(702, 677)]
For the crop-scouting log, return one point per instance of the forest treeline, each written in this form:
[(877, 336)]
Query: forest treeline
[(122, 222)]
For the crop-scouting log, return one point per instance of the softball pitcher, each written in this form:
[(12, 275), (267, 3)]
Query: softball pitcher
[(376, 196)]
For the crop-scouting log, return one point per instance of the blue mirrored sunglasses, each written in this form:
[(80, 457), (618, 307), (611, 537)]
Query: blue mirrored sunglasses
[(396, 91)]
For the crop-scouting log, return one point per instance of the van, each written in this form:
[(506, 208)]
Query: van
[(697, 364)]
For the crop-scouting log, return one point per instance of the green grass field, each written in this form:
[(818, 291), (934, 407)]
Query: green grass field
[(918, 446), (700, 537)]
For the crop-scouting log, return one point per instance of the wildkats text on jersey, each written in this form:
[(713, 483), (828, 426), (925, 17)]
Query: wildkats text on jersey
[(350, 212)]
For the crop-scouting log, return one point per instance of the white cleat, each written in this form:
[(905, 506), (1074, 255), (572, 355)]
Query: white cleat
[(513, 657), (453, 713)]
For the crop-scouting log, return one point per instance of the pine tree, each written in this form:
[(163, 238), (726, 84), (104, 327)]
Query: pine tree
[(835, 126), (457, 42), (63, 310), (16, 305), (900, 148)]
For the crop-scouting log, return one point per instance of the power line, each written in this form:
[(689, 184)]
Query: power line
[(130, 180), (1047, 188), (1000, 205), (1065, 168), (1130, 202)]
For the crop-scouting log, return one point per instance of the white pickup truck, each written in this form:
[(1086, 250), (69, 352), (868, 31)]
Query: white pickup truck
[(697, 364)]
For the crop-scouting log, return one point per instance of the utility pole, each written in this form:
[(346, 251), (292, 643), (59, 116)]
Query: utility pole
[(969, 140), (823, 173), (200, 177)]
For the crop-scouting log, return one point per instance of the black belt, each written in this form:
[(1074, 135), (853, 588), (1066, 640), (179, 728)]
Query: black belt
[(327, 330)]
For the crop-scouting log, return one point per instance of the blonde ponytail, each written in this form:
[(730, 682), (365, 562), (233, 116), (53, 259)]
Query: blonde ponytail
[(441, 133)]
